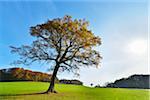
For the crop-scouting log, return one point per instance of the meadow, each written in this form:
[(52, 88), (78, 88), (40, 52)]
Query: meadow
[(30, 90)]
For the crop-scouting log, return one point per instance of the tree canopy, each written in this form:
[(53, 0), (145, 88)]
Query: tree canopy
[(65, 41)]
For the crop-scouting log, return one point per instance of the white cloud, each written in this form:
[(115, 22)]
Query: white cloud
[(137, 47)]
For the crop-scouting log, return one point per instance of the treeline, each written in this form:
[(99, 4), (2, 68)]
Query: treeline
[(20, 74), (134, 81), (76, 82)]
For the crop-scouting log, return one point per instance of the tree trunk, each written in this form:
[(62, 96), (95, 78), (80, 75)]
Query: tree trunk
[(52, 83)]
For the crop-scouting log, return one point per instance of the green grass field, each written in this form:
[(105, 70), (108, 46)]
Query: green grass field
[(14, 91)]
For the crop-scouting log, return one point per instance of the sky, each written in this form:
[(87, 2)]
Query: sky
[(121, 24)]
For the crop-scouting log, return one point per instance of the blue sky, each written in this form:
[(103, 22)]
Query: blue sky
[(122, 25)]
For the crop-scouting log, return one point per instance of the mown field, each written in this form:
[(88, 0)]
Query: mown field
[(27, 90)]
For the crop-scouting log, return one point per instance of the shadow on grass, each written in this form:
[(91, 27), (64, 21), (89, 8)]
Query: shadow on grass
[(25, 94)]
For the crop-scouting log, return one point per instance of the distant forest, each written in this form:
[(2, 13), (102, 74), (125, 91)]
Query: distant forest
[(134, 81), (20, 74)]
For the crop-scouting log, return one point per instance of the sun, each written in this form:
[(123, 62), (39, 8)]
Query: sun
[(137, 46)]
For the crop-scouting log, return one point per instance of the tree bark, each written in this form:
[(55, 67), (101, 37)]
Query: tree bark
[(52, 83)]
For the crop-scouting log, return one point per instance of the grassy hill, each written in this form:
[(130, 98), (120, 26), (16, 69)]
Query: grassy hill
[(14, 90)]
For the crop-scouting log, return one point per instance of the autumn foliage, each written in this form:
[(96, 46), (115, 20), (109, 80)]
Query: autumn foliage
[(20, 74)]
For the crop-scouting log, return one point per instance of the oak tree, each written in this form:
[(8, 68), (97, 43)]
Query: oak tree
[(65, 42)]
